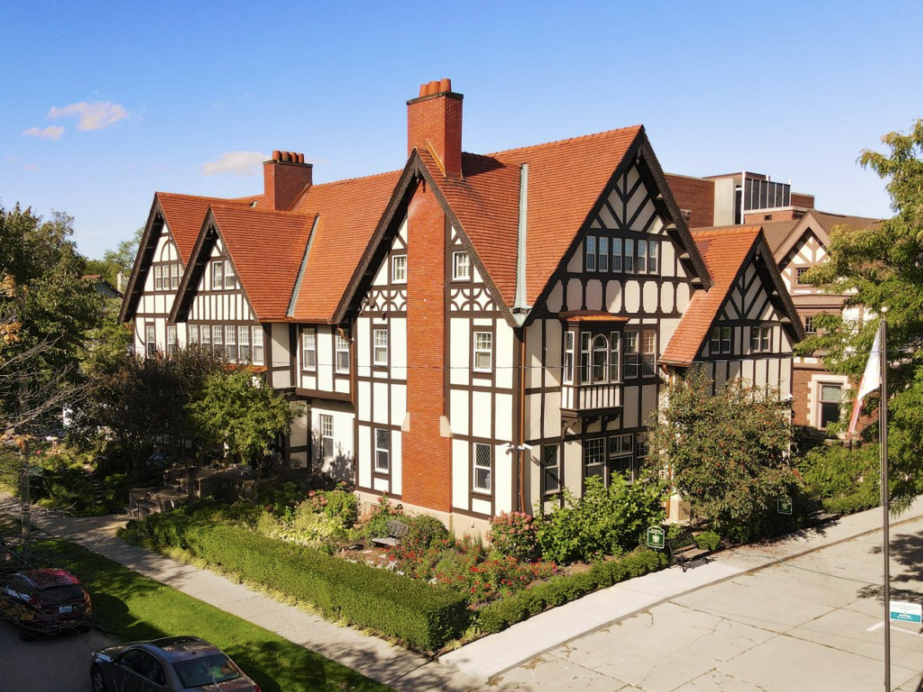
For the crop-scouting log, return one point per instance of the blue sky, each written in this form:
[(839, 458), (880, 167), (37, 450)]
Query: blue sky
[(105, 103)]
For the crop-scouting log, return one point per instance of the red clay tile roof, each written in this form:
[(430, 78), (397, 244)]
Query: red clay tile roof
[(349, 212), (184, 215), (724, 251), (266, 248)]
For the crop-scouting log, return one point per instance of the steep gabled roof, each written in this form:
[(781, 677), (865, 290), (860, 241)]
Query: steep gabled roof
[(726, 252), (183, 215), (821, 223), (348, 213)]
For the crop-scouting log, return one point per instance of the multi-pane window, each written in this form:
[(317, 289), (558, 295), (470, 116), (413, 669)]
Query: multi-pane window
[(831, 395), (258, 345), (171, 340), (615, 356), (193, 333), (174, 276), (585, 357), (308, 349), (642, 257), (461, 266), (648, 352), (591, 253), (206, 332), (594, 457), (243, 336), (380, 354), (551, 470), (620, 455), (326, 435), (600, 358), (603, 262), (342, 355), (483, 351), (616, 254), (217, 274), (158, 278), (629, 260), (399, 269), (799, 275), (230, 342), (809, 327), (382, 449), (229, 279), (482, 467), (760, 339), (567, 377), (720, 341), (150, 340), (653, 252), (631, 355), (218, 338)]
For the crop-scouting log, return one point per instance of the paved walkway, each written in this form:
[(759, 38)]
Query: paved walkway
[(471, 666)]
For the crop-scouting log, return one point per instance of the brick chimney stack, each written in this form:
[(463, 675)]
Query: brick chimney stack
[(434, 123), (284, 177)]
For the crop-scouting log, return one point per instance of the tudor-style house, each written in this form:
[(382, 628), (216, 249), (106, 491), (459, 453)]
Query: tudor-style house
[(474, 332)]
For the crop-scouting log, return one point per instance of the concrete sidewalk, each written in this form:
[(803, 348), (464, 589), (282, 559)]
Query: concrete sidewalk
[(493, 655)]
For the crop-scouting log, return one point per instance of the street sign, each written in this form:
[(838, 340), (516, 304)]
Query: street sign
[(784, 505), (902, 611), (655, 537)]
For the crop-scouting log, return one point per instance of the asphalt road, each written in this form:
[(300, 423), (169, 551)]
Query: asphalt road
[(812, 623), (55, 664)]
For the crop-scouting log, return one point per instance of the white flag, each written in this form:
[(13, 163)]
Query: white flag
[(871, 380)]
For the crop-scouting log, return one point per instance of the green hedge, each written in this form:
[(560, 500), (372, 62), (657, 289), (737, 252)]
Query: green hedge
[(423, 616), (558, 590)]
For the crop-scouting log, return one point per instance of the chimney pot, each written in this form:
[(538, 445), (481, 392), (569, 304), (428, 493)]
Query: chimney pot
[(436, 123), (276, 155), (445, 84), (282, 185), (300, 158), (422, 90), (432, 88)]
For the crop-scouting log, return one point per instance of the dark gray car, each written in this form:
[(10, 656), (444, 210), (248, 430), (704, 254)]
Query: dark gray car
[(170, 664)]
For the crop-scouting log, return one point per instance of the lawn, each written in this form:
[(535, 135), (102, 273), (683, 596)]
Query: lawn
[(132, 607)]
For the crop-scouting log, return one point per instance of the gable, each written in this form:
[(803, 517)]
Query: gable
[(748, 299), (807, 251)]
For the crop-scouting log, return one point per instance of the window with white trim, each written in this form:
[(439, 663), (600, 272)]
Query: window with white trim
[(616, 254), (629, 258), (158, 278), (590, 253), (150, 340), (653, 253), (399, 269), (218, 339), (380, 347), (217, 274), (174, 276), (760, 339), (309, 349), (482, 467), (243, 338), (585, 357), (258, 345), (230, 280), (620, 455), (551, 470), (230, 342), (648, 352), (193, 333), (720, 341), (600, 358), (342, 355), (594, 457), (831, 396), (630, 367), (325, 422), (461, 266), (206, 336), (171, 340), (382, 450), (603, 257), (567, 377), (642, 257), (615, 356), (483, 351)]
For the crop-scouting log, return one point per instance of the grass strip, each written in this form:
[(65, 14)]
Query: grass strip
[(132, 607)]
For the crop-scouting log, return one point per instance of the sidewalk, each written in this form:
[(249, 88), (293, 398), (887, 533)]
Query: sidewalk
[(390, 665), (493, 655)]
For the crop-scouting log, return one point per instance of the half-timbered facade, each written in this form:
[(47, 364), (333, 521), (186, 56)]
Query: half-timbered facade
[(474, 333)]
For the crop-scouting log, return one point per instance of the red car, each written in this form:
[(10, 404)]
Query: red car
[(45, 601)]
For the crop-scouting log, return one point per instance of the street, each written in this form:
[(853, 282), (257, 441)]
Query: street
[(812, 623), (56, 664)]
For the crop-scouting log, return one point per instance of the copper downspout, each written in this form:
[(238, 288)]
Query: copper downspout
[(522, 421)]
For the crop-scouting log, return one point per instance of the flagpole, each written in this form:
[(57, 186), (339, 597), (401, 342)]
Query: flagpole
[(885, 504)]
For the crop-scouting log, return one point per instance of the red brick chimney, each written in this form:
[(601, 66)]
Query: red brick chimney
[(434, 123), (284, 178)]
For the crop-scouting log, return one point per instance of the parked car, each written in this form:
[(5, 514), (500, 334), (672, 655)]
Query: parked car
[(167, 665), (45, 601)]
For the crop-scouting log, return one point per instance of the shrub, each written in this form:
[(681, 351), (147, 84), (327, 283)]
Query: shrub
[(501, 614), (708, 540), (377, 524), (423, 531), (514, 535), (605, 521), (425, 617), (846, 479)]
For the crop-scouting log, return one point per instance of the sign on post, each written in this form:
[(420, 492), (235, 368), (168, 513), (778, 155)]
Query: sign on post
[(655, 537), (784, 505), (903, 611)]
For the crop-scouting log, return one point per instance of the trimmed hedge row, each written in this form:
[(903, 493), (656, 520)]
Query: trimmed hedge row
[(423, 616), (558, 590)]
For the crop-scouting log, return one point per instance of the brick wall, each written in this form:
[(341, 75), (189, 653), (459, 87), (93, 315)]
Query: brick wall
[(283, 181), (426, 455), (437, 120), (802, 200), (801, 381), (696, 195)]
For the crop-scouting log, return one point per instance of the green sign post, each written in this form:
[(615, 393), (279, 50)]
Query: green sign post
[(655, 537), (784, 505)]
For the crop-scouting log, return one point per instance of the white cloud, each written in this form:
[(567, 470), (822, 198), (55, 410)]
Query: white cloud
[(92, 116), (50, 132), (236, 163)]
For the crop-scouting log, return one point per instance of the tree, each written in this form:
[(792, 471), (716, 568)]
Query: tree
[(880, 268), (121, 260), (727, 453), (239, 411)]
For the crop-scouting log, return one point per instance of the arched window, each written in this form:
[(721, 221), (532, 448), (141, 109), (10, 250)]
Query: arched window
[(600, 358)]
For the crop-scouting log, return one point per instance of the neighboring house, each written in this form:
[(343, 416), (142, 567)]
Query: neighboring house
[(439, 318), (103, 287)]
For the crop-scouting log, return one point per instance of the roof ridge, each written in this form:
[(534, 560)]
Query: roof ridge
[(229, 200), (561, 142), (353, 180), (257, 210)]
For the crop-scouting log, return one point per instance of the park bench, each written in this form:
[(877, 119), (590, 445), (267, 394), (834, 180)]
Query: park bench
[(685, 552), (816, 515), (396, 531)]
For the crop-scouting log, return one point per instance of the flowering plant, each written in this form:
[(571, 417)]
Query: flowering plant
[(513, 535)]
